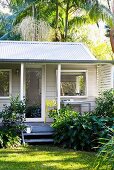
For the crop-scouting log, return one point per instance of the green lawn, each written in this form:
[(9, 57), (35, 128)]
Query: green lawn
[(45, 158)]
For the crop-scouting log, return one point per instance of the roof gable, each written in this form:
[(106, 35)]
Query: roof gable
[(44, 51)]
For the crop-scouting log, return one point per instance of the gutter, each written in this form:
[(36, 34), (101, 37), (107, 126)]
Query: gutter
[(58, 61)]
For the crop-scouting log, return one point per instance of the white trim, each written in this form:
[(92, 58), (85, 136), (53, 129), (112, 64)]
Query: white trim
[(73, 97), (42, 119), (5, 98), (73, 71), (34, 120), (22, 82), (43, 95), (86, 83), (10, 84), (33, 65), (45, 114), (112, 73), (58, 86)]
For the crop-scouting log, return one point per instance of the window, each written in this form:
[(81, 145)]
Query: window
[(73, 83), (5, 83)]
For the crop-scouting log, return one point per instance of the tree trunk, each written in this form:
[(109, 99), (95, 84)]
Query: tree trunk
[(113, 6), (66, 20), (57, 13), (112, 38), (33, 11), (56, 24), (108, 4), (112, 31), (34, 17)]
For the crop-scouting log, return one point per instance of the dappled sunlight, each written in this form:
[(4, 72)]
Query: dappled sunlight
[(44, 158)]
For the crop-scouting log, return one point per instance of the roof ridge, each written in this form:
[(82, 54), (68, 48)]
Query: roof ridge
[(39, 42)]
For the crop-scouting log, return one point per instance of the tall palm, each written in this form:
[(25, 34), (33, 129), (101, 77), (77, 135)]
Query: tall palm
[(78, 12), (60, 14)]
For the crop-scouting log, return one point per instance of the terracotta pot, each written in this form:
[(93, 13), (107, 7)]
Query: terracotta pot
[(112, 38)]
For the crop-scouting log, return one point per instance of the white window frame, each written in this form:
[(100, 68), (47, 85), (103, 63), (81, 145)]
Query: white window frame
[(10, 83), (86, 88)]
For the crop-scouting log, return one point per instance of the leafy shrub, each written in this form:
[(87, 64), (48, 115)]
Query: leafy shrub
[(63, 114), (12, 123), (105, 104), (105, 157), (9, 139), (62, 120), (13, 115), (81, 132)]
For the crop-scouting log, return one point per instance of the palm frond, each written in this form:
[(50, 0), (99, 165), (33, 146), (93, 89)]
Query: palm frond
[(99, 12), (10, 36), (79, 20)]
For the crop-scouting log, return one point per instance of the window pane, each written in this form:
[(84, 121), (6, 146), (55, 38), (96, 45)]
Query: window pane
[(73, 84), (33, 92), (4, 83)]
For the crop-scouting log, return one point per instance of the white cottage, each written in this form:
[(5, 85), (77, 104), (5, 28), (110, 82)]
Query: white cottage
[(65, 73)]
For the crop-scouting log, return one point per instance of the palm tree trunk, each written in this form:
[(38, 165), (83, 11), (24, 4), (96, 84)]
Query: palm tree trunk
[(57, 13), (108, 4), (33, 11), (66, 20), (34, 17), (57, 19)]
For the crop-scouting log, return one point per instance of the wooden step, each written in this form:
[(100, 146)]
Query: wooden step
[(42, 133), (38, 140), (38, 134), (45, 128)]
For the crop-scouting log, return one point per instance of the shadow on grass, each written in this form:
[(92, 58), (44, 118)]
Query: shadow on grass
[(40, 165), (45, 158)]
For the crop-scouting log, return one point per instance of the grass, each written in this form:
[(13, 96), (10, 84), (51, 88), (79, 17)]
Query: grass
[(45, 158)]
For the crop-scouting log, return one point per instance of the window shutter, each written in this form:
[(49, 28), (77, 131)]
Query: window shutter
[(104, 77)]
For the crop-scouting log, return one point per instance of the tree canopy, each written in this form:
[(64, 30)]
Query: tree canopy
[(62, 15), (56, 20)]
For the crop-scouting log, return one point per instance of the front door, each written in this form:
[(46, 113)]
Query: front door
[(33, 94)]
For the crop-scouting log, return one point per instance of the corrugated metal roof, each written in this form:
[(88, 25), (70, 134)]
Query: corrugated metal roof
[(44, 51)]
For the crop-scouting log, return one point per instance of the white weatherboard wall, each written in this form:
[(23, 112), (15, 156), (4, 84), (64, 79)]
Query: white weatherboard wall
[(104, 77), (51, 93), (113, 76)]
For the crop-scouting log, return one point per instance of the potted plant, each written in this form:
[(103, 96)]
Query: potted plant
[(28, 129)]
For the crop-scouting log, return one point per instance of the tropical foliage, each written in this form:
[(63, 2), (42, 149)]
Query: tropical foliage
[(94, 39), (105, 104), (82, 132), (62, 15), (105, 157)]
